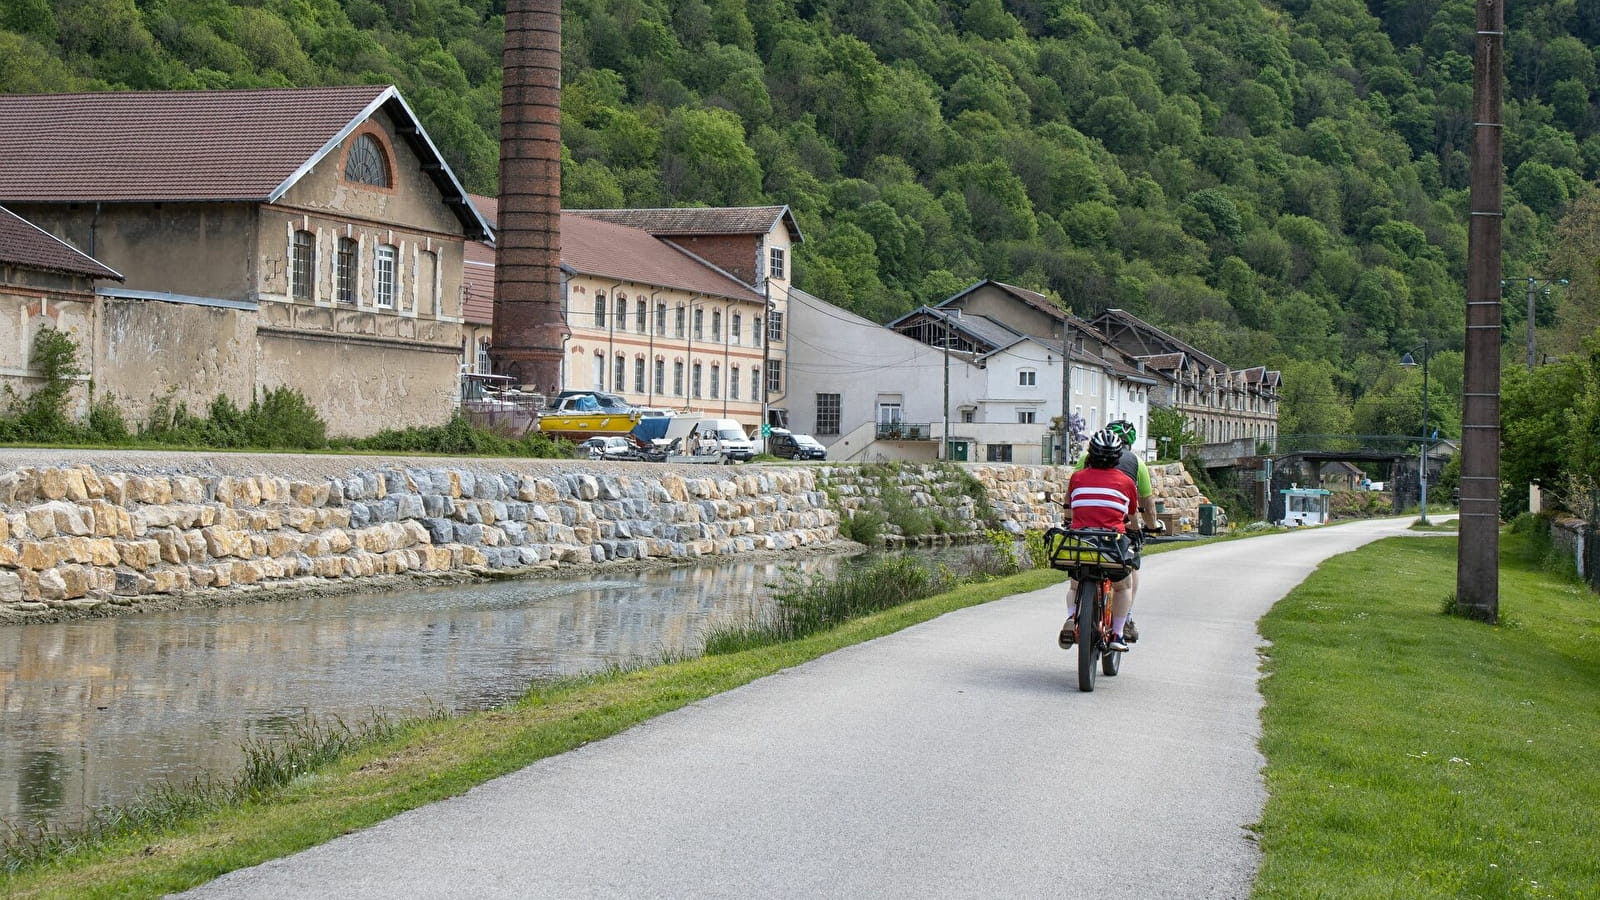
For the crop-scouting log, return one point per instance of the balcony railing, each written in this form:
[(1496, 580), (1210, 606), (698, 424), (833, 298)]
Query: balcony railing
[(904, 431)]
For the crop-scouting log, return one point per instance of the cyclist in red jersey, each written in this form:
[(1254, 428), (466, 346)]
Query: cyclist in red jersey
[(1102, 496)]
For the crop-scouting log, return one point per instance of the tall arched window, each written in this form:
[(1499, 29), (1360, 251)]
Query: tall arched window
[(622, 313), (619, 378), (599, 309), (344, 272), (302, 265), (599, 370)]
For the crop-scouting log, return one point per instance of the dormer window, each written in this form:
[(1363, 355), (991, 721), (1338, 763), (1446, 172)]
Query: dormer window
[(366, 162)]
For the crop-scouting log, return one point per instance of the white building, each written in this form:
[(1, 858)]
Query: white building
[(871, 392), (1003, 324)]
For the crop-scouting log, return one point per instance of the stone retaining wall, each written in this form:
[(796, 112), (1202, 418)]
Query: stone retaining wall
[(75, 539), (1016, 494)]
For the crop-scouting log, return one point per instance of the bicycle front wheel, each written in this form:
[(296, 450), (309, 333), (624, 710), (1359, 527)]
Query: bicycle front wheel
[(1088, 632)]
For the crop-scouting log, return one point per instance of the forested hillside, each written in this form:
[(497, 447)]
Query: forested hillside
[(1282, 183)]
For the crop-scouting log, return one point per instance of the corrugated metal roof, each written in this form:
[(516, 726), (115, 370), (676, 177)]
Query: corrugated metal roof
[(698, 220), (26, 245), (156, 146)]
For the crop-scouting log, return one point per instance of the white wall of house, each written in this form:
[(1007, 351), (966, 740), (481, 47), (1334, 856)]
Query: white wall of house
[(872, 373)]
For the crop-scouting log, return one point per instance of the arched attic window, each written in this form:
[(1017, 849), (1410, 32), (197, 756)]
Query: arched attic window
[(367, 163)]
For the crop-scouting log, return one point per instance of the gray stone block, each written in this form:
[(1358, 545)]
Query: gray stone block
[(469, 482), (408, 506), (394, 482), (471, 535), (436, 505), (385, 510), (440, 531), (360, 515)]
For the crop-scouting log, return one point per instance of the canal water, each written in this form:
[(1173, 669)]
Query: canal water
[(95, 712)]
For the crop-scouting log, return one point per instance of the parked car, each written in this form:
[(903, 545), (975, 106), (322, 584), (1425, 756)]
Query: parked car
[(723, 436), (789, 445), (611, 446)]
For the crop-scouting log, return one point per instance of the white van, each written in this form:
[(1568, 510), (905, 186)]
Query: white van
[(724, 436)]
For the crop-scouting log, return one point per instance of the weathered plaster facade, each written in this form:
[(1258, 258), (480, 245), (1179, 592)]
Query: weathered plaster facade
[(367, 325)]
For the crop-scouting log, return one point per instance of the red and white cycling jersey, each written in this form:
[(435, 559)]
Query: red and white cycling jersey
[(1101, 498)]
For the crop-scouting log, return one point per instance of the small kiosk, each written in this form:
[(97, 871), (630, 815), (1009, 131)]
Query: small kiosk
[(1304, 506)]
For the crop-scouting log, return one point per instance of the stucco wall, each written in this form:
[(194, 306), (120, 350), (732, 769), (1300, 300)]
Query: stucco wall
[(22, 314), (363, 387), (149, 350), (199, 249)]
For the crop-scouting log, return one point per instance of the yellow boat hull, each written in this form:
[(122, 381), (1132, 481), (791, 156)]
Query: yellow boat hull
[(588, 423)]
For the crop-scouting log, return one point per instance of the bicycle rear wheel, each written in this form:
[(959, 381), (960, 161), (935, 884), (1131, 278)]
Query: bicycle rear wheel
[(1089, 613)]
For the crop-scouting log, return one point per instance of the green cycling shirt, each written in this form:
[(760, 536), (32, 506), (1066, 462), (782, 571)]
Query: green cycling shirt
[(1130, 464)]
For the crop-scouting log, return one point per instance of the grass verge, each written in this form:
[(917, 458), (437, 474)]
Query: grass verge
[(424, 761), (1415, 754)]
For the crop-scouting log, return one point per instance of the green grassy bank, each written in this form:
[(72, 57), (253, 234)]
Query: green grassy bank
[(1412, 754), (429, 760)]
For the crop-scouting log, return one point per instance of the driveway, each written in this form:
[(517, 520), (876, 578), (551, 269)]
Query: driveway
[(953, 759)]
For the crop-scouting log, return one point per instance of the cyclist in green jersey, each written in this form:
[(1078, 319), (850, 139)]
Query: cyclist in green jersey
[(1140, 473)]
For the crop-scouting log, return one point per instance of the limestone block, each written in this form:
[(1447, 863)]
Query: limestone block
[(41, 520), (150, 489), (328, 567), (141, 555), (8, 488), (188, 489), (334, 518), (247, 572), (51, 585), (38, 555), (300, 518), (339, 541), (280, 545), (202, 576), (244, 492), (372, 540), (196, 542), (222, 575), (415, 533), (313, 545), (10, 587), (221, 542)]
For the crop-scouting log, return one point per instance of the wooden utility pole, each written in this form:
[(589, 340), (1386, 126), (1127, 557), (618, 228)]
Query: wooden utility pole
[(1478, 557)]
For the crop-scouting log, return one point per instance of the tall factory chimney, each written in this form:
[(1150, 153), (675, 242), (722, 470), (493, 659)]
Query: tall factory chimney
[(529, 327)]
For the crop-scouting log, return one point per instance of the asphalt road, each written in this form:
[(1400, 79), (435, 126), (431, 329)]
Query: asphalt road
[(953, 759)]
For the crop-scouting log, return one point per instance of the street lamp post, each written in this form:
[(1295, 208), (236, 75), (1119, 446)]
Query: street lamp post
[(1422, 455)]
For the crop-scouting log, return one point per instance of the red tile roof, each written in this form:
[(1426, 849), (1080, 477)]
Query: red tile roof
[(590, 246), (698, 220), (170, 145), (154, 146), (27, 246)]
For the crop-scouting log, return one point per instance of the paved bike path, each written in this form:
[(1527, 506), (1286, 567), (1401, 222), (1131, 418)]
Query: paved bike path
[(953, 759)]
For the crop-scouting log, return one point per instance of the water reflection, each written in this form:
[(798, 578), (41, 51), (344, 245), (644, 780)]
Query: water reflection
[(95, 712)]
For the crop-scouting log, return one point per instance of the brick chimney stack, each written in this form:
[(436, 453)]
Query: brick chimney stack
[(529, 326)]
